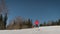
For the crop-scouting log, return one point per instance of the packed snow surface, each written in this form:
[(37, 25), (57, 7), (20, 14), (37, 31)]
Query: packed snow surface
[(39, 30)]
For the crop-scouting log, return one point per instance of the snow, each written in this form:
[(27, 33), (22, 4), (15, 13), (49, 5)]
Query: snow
[(39, 30)]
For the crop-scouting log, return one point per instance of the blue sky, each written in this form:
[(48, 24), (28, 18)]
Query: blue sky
[(43, 10)]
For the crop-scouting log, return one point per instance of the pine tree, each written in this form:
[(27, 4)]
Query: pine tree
[(1, 17), (58, 22), (1, 21), (44, 23), (29, 23), (5, 20), (41, 24)]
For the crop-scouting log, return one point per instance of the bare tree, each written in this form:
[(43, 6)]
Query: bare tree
[(17, 23)]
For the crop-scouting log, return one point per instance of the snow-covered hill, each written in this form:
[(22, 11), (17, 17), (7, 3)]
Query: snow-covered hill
[(40, 30)]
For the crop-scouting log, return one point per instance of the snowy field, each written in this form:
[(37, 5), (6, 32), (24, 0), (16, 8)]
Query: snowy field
[(40, 30)]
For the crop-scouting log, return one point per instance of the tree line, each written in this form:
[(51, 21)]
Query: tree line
[(52, 23), (20, 23)]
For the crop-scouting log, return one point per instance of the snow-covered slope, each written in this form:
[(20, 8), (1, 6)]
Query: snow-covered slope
[(40, 30)]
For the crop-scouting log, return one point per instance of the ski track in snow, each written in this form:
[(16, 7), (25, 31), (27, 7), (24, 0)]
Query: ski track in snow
[(40, 30)]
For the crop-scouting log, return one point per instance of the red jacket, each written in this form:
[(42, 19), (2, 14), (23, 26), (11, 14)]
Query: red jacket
[(36, 22)]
